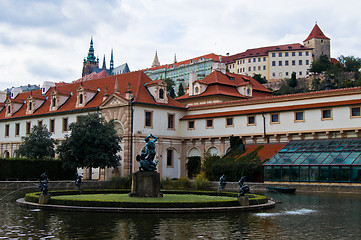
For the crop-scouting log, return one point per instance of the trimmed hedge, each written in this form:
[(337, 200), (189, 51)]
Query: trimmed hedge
[(253, 199), (29, 169)]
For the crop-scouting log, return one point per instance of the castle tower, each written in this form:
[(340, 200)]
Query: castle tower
[(90, 61), (111, 60), (319, 42), (155, 61)]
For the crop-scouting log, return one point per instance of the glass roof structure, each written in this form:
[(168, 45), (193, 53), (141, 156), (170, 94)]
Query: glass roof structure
[(319, 152), (329, 160)]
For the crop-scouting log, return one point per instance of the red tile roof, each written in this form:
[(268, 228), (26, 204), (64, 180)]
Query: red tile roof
[(137, 82), (266, 152), (93, 76), (212, 56), (226, 84), (263, 51), (316, 33)]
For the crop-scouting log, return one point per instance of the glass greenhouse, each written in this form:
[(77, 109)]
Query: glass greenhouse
[(331, 160)]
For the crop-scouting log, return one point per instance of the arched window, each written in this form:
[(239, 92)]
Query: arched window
[(30, 107), (197, 90), (53, 102), (161, 94), (9, 109)]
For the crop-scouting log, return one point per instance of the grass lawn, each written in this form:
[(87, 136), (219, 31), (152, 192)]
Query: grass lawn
[(125, 198)]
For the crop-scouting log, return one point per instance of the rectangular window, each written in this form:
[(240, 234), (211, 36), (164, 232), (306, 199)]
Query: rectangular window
[(307, 53), (264, 59), (259, 59), (7, 130), (251, 120), (170, 121), (17, 129), (249, 60), (148, 121), (293, 54), (299, 62), (286, 62), (299, 117), (40, 123), (52, 125), (191, 124), (254, 68), (293, 62), (355, 112), (254, 59), (300, 73), (249, 68), (280, 54), (286, 54), (209, 123), (264, 67), (307, 62), (275, 118), (65, 124), (286, 73), (229, 122), (273, 54), (273, 74), (28, 127), (326, 114), (300, 54), (273, 63), (279, 63), (169, 158)]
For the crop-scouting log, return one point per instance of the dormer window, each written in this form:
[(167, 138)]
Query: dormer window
[(84, 94), (9, 109), (53, 102), (161, 93), (81, 98), (30, 106)]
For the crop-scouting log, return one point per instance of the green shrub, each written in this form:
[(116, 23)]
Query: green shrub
[(181, 183), (193, 166), (120, 182), (200, 182)]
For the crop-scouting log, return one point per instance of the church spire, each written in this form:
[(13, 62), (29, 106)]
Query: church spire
[(156, 61), (91, 57), (104, 65), (111, 60), (175, 58)]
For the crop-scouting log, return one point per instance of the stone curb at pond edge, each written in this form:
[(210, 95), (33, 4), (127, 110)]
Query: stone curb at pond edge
[(22, 202)]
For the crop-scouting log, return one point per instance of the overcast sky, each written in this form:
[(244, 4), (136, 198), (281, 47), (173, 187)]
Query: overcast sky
[(43, 40)]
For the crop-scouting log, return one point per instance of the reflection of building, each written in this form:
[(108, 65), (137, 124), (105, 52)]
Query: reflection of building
[(278, 62), (214, 108), (179, 71), (91, 65)]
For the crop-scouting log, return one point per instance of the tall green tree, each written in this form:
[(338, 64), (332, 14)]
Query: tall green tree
[(93, 143), (259, 78), (351, 63), (38, 144), (322, 65), (180, 90), (170, 87)]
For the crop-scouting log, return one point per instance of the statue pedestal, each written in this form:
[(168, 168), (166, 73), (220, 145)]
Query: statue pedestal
[(243, 200), (146, 184), (44, 199)]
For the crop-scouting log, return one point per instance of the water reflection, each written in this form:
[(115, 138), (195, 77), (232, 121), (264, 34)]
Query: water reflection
[(299, 216)]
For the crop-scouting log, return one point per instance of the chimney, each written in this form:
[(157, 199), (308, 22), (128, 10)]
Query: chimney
[(192, 78)]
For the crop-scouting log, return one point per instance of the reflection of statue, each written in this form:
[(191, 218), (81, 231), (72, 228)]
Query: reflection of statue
[(146, 156), (242, 189), (44, 182), (78, 180), (222, 182)]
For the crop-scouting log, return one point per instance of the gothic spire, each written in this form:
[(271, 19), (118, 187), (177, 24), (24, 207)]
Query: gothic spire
[(91, 57), (104, 65), (111, 60), (175, 58), (156, 61)]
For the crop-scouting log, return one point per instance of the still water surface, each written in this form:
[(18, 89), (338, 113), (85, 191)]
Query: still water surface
[(299, 216)]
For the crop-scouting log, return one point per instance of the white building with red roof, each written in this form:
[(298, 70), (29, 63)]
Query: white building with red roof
[(279, 62), (214, 108)]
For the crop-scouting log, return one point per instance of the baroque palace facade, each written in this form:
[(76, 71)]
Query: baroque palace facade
[(214, 108)]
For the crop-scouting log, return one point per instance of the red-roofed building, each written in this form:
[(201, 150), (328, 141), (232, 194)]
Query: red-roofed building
[(278, 62)]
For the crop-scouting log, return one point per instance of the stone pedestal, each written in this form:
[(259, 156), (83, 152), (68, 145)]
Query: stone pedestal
[(146, 184), (243, 201), (43, 199)]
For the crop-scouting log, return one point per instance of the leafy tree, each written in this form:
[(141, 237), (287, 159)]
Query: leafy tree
[(293, 81), (170, 87), (322, 65), (351, 63), (180, 90), (259, 78), (193, 165), (93, 143), (38, 144)]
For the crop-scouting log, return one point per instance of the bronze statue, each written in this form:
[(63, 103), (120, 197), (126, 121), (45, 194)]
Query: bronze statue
[(147, 155), (222, 182), (44, 182), (242, 189), (78, 180)]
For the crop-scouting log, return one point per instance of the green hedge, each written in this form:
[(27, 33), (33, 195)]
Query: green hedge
[(30, 169), (253, 199)]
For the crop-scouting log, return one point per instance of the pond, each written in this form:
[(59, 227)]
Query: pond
[(299, 216)]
